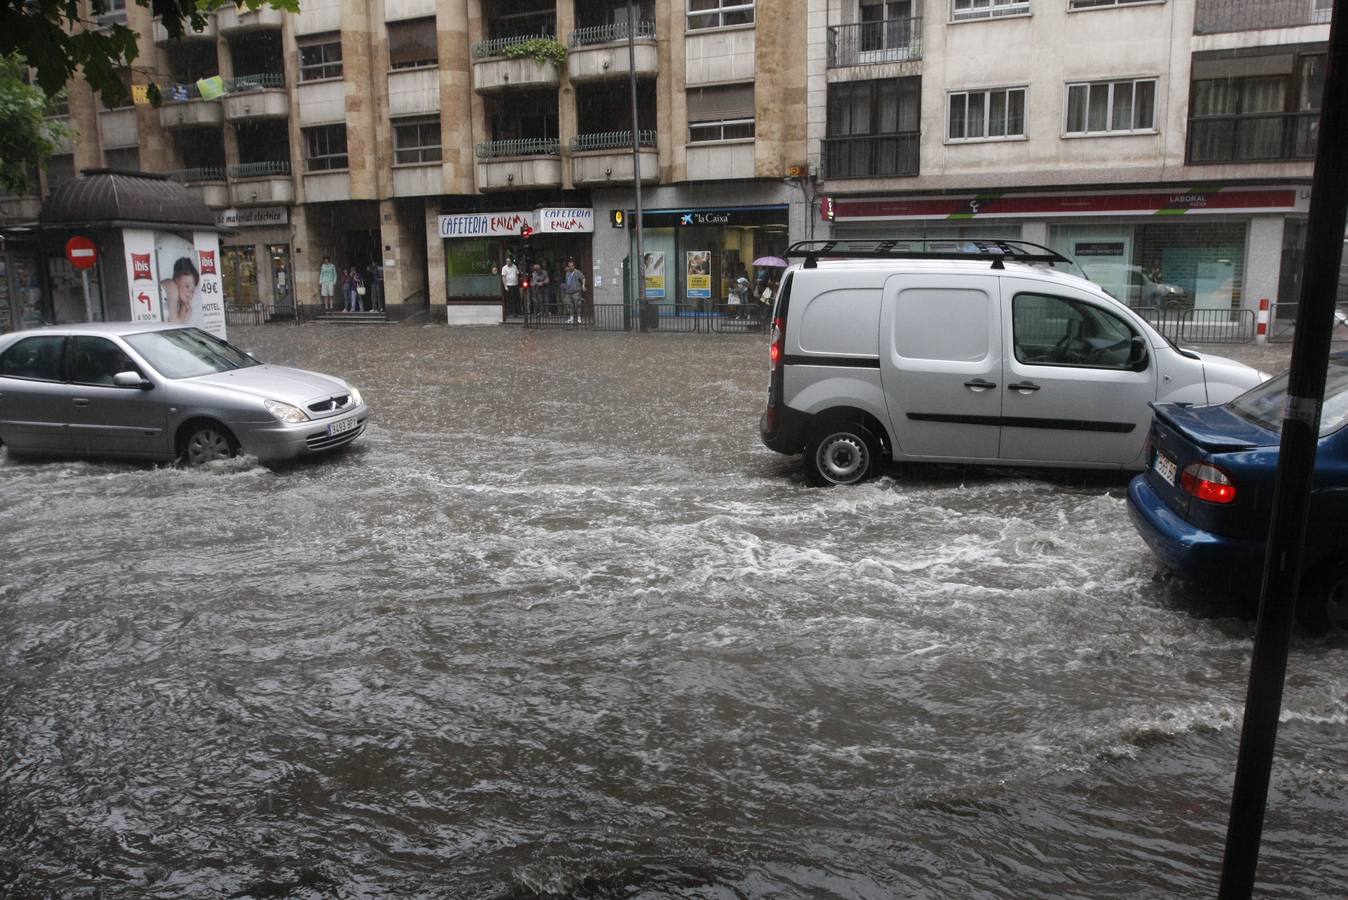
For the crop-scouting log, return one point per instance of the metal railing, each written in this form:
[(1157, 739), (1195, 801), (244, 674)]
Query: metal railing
[(1220, 16), (871, 155), (868, 43), (611, 140), (192, 176), (668, 318), (497, 46), (1201, 326), (256, 82), (519, 147), (1253, 137), (608, 34), (270, 169), (1283, 321)]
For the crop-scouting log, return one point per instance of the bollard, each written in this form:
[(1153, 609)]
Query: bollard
[(1261, 328)]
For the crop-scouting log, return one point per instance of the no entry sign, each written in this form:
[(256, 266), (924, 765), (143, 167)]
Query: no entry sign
[(81, 252)]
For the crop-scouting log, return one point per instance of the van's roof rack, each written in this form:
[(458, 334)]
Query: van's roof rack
[(930, 248)]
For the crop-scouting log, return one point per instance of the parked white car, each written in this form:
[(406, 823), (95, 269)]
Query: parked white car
[(977, 354)]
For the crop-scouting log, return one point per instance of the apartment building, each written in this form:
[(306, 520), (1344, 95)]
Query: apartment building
[(1155, 141), (426, 134)]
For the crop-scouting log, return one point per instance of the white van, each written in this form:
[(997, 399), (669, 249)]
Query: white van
[(973, 352)]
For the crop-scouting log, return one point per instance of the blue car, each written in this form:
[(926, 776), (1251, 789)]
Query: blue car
[(1204, 502)]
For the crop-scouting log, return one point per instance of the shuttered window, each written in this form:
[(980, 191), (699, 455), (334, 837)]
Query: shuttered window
[(721, 113), (412, 43)]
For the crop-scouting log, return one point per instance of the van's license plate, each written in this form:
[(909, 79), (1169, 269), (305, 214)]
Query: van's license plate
[(1165, 467), (350, 424)]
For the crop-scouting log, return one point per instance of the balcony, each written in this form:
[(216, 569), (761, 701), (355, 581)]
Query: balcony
[(1224, 16), (872, 43), (207, 184), (1269, 137), (871, 155), (604, 158), (251, 97), (601, 52), (232, 20), (207, 32), (519, 164), (198, 113), (261, 183), (494, 70)]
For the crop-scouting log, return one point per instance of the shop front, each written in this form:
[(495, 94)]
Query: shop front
[(477, 245), (1212, 248), (256, 266)]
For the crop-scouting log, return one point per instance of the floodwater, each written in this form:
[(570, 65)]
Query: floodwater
[(558, 626)]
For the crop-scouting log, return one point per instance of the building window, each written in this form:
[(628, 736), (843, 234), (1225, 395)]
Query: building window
[(320, 57), (1111, 107), (1248, 106), (1095, 4), (124, 159), (416, 140), (324, 148), (986, 9), (60, 169), (721, 113), (719, 13), (412, 43), (987, 115), (873, 128), (114, 12)]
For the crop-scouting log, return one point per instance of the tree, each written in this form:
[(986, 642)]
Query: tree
[(63, 38), (27, 139)]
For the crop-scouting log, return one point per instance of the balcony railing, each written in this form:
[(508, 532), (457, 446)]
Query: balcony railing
[(1271, 137), (871, 155), (607, 34), (519, 147), (1221, 16), (868, 43), (270, 169), (497, 46), (192, 176), (612, 140), (254, 82)]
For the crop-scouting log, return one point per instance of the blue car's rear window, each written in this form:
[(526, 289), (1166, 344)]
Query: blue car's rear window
[(1266, 404)]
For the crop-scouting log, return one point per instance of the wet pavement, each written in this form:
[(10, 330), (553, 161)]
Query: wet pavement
[(558, 625)]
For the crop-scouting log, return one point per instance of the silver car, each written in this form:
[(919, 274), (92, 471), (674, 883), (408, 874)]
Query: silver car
[(164, 392)]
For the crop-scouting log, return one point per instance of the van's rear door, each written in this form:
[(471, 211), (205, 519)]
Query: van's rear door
[(941, 366)]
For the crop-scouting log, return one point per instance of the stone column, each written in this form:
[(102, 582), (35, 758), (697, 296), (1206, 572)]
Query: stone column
[(435, 262)]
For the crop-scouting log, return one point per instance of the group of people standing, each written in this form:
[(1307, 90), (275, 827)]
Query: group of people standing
[(532, 292), (361, 289)]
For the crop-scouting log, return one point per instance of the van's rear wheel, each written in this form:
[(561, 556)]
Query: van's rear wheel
[(1323, 604), (841, 454)]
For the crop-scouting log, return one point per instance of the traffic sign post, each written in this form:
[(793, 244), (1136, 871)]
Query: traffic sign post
[(83, 255)]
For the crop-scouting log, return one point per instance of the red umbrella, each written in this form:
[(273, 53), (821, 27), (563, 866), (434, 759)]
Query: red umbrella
[(771, 262)]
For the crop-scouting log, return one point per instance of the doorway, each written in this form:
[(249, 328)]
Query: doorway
[(239, 275)]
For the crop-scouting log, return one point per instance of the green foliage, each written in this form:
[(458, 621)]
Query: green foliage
[(538, 49), (27, 139), (59, 43)]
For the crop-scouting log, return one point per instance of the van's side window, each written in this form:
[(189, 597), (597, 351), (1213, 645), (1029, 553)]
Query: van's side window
[(1056, 331)]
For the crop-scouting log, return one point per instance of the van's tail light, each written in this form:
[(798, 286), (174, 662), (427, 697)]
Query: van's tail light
[(1207, 482), (524, 283), (778, 338)]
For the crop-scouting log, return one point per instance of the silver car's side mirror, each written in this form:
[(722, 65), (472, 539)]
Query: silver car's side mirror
[(131, 379)]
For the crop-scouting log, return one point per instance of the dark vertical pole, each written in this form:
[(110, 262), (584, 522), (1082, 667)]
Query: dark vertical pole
[(639, 263), (1296, 463)]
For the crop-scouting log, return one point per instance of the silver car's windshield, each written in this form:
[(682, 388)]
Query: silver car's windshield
[(188, 352), (1265, 405)]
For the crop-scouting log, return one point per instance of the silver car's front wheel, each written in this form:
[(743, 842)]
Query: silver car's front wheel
[(207, 443)]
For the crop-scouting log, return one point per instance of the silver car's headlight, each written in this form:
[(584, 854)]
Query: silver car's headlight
[(284, 412), (356, 398)]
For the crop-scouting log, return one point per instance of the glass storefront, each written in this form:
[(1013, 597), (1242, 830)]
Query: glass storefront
[(693, 257)]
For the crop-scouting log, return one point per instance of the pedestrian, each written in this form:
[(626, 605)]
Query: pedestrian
[(538, 288), (358, 281), (327, 282), (510, 281), (573, 292), (378, 285), (739, 298)]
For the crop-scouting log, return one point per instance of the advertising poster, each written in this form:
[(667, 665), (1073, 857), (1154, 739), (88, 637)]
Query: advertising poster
[(211, 291), (142, 275), (653, 268), (699, 274)]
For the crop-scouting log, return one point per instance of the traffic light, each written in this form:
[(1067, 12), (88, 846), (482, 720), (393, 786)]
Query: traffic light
[(617, 218), (526, 232)]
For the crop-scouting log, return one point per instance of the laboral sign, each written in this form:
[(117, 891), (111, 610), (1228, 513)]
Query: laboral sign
[(547, 220)]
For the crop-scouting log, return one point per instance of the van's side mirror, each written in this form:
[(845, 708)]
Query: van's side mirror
[(132, 380), (1137, 353)]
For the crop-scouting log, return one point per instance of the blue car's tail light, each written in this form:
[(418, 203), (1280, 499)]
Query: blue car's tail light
[(1207, 482)]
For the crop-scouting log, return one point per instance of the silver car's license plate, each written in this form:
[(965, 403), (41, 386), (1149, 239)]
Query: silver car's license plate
[(343, 426), (1165, 467)]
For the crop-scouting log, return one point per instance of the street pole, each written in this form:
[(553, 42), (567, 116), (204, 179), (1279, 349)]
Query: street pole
[(1296, 466), (638, 266)]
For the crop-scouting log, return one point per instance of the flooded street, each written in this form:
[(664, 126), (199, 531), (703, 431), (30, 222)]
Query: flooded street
[(559, 625)]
